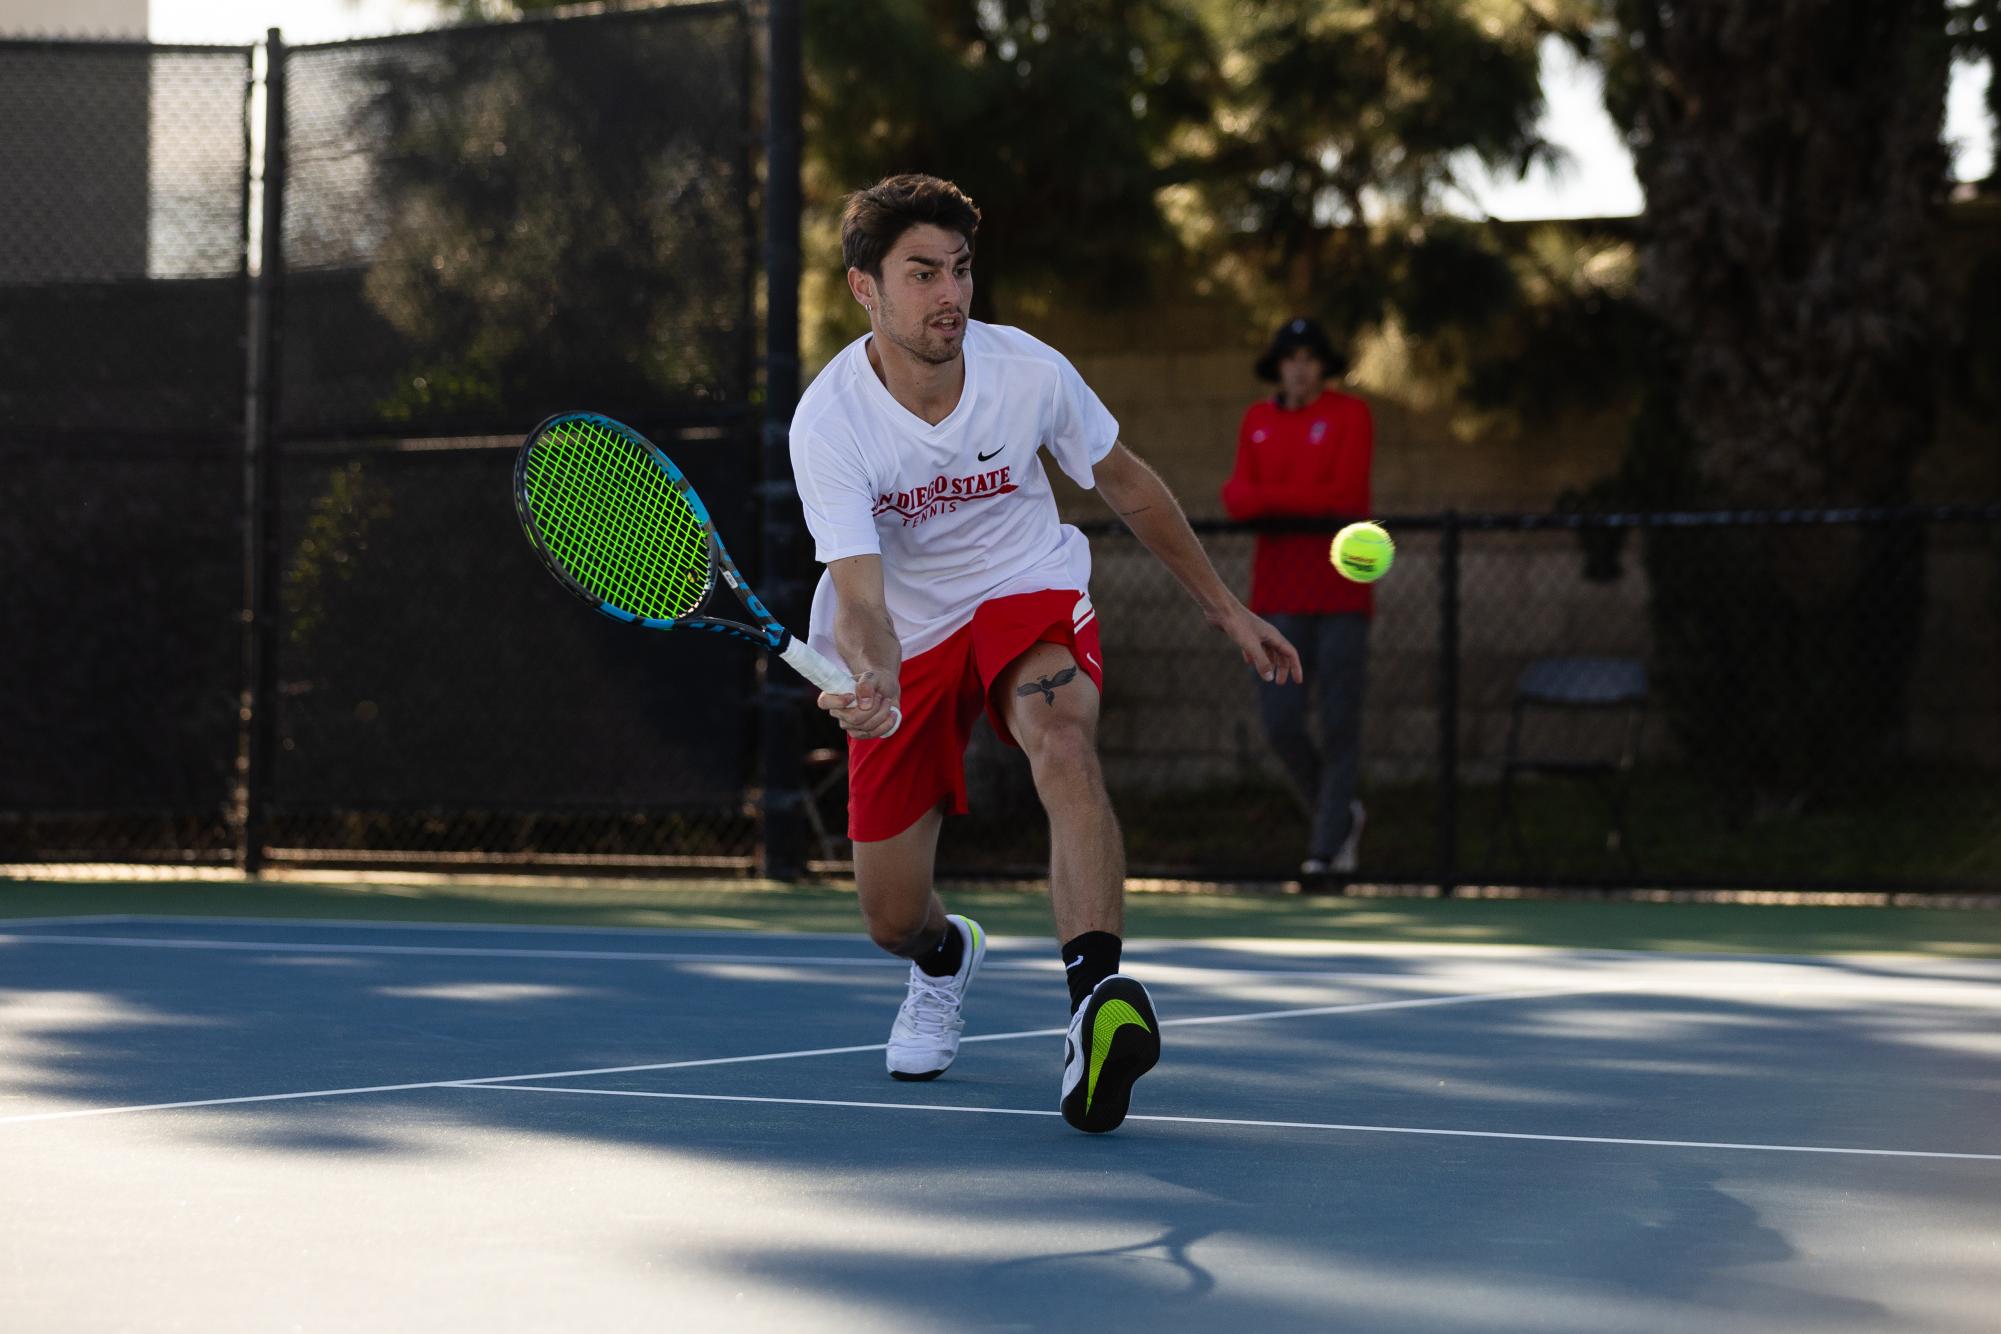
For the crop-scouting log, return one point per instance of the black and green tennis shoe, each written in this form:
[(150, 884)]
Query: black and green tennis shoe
[(1113, 1040)]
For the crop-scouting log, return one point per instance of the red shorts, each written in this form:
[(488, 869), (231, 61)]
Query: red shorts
[(894, 780)]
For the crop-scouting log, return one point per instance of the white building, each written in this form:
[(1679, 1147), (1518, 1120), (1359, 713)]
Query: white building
[(73, 18), (74, 145)]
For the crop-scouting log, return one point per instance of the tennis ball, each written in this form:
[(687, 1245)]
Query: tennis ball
[(1363, 552)]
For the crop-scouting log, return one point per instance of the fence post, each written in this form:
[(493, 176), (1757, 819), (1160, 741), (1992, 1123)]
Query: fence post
[(256, 723), (783, 835), (1448, 705)]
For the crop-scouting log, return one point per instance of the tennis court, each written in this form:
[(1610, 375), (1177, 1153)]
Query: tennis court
[(226, 1124)]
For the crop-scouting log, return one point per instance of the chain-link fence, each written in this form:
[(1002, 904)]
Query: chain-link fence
[(464, 231), (1736, 700), (484, 225), (307, 425), (481, 227), (122, 296)]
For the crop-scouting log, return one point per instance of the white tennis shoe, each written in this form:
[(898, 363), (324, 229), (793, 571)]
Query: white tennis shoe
[(925, 1037)]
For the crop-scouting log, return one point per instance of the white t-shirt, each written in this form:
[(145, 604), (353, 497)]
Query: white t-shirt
[(960, 512)]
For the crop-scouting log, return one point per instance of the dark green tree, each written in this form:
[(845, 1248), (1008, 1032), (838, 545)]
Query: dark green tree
[(1063, 119), (561, 216), (1341, 149), (1317, 143), (1793, 170)]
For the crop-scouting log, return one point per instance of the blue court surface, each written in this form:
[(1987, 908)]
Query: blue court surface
[(232, 1125)]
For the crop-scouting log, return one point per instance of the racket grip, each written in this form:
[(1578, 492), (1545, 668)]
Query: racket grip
[(828, 675)]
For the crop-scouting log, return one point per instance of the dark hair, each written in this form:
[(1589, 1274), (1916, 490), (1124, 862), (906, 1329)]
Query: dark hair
[(874, 218), (1298, 333)]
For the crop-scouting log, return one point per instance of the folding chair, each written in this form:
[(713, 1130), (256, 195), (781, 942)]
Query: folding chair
[(831, 764), (1575, 686)]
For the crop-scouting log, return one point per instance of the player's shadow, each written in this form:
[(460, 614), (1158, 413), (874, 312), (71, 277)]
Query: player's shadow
[(1352, 1236), (1170, 1248)]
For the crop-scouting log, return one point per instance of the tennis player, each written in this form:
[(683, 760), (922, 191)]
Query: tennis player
[(952, 590)]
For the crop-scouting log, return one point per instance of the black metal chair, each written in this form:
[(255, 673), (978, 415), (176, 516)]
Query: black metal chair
[(1573, 686), (826, 773)]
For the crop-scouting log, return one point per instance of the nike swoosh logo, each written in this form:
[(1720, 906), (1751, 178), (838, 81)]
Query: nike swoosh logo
[(1114, 1016), (984, 457)]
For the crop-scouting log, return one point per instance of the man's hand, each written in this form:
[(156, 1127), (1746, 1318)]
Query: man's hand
[(1138, 496), (870, 711), (1269, 653)]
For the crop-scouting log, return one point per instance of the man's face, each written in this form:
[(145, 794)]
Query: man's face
[(1301, 375), (924, 293)]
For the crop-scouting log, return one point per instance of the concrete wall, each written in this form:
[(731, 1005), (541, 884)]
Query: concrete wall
[(1179, 377)]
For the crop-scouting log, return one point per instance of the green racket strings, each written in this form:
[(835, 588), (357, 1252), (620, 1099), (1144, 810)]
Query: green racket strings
[(616, 523)]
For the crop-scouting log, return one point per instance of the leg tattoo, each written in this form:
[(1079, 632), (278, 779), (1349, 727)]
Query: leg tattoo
[(1047, 685)]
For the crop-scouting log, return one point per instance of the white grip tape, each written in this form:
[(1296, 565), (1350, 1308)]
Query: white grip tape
[(828, 675)]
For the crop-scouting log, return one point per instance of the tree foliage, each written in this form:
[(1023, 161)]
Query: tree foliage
[(1061, 118), (1311, 148), (1793, 171), (1340, 149), (555, 214), (1784, 305)]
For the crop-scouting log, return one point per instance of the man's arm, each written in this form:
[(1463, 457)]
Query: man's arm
[(866, 639), (1138, 496)]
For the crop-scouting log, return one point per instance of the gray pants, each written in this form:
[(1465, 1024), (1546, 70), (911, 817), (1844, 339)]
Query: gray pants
[(1335, 652)]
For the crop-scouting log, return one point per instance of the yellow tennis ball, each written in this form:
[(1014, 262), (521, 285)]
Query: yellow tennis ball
[(1363, 552)]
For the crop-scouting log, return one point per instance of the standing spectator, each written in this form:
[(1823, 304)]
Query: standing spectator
[(1305, 453)]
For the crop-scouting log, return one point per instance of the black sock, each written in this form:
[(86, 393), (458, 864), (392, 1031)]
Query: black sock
[(944, 958), (1089, 960)]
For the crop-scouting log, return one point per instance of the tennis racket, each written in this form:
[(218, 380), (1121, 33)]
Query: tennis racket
[(621, 527)]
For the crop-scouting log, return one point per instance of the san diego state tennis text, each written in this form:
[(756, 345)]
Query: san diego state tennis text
[(944, 495)]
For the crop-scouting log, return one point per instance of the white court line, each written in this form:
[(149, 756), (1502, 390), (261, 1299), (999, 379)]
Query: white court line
[(1652, 978), (79, 1113), (82, 919), (881, 961), (1149, 953), (1265, 1125), (1977, 969), (394, 924), (884, 962), (428, 1084), (1143, 951), (452, 951)]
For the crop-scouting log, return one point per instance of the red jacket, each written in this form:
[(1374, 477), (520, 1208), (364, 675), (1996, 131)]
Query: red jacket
[(1308, 462)]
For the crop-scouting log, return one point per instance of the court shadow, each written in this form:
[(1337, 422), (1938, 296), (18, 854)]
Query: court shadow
[(1332, 1236), (990, 1221)]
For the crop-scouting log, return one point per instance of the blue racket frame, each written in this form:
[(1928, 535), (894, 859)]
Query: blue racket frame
[(767, 633)]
